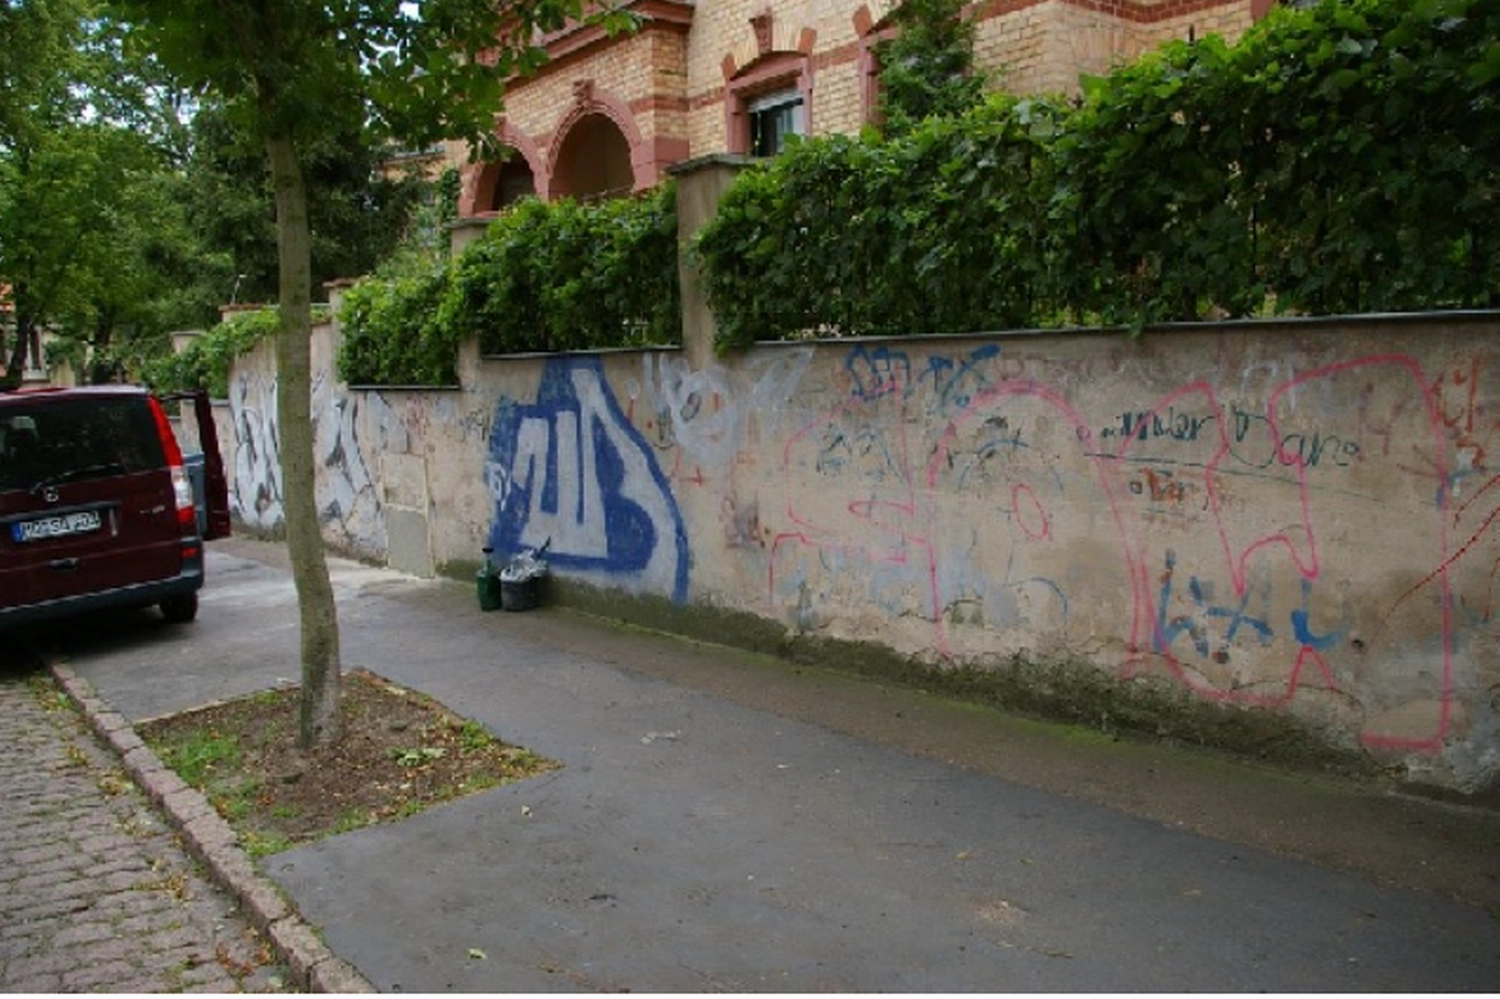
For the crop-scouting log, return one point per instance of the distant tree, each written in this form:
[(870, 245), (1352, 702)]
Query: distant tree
[(927, 67), (288, 72), (128, 243), (356, 218), (85, 141), (38, 56)]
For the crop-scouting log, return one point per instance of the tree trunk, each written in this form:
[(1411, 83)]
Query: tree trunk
[(320, 718), (14, 366)]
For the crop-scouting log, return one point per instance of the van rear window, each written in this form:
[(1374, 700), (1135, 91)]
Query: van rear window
[(71, 439)]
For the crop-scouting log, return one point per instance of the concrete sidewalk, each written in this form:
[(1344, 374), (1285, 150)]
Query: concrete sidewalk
[(727, 823)]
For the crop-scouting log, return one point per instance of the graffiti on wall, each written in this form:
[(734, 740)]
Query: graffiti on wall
[(961, 492), (348, 495), (570, 471), (706, 411), (255, 477), (1308, 530)]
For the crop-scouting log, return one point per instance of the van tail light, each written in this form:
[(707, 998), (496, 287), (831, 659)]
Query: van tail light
[(182, 486)]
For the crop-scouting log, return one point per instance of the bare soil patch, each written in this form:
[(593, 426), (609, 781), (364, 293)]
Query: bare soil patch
[(401, 752)]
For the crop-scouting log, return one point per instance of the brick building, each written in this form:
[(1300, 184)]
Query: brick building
[(607, 116)]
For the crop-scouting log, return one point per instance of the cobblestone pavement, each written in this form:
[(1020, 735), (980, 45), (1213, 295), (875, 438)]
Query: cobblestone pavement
[(96, 893)]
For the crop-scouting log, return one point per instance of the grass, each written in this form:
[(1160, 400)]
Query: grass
[(400, 753)]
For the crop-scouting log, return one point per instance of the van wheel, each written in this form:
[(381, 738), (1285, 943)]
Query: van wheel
[(180, 609)]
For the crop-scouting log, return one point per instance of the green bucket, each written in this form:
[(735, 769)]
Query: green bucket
[(487, 581)]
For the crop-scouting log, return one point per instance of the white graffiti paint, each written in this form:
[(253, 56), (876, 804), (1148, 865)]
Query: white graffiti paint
[(571, 472), (708, 409), (255, 480), (348, 496)]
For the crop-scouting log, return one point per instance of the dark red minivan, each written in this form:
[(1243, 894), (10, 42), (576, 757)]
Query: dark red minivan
[(97, 506)]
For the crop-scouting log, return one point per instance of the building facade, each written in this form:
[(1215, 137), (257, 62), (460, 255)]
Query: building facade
[(607, 116)]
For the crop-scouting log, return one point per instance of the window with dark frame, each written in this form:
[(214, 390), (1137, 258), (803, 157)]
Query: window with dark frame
[(772, 118)]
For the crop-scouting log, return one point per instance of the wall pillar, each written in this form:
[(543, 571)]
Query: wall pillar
[(701, 183), (462, 232)]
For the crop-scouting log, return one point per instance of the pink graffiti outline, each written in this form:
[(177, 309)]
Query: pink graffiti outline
[(1144, 610), (1144, 620), (1434, 742)]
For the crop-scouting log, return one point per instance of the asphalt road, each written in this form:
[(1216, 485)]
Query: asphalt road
[(726, 823)]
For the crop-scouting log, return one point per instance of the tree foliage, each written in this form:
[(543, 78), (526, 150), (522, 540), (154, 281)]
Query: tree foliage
[(927, 68), (1342, 158), (209, 356), (572, 276), (391, 331), (833, 238), (357, 217)]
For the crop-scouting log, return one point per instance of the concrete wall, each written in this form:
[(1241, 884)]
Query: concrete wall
[(1293, 518)]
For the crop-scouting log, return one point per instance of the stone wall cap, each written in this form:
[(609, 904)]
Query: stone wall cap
[(736, 160)]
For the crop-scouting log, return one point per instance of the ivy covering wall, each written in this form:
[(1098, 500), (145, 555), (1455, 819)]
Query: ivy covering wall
[(1338, 159)]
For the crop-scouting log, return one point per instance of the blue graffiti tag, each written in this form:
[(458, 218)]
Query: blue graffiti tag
[(1168, 631), (571, 468), (1303, 631), (878, 371), (957, 382)]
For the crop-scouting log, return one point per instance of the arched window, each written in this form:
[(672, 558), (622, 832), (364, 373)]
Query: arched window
[(593, 161), (499, 183), (513, 181)]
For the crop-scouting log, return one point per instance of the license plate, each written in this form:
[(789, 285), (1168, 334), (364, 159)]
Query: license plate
[(60, 526)]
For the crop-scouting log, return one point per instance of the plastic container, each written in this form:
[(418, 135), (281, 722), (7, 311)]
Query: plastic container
[(522, 594), (521, 579)]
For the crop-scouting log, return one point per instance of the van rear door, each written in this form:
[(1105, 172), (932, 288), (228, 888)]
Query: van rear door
[(213, 519), (215, 482)]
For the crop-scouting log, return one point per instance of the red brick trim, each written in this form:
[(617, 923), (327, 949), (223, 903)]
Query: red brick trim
[(870, 33), (764, 26), (658, 102), (712, 97), (841, 56), (1125, 10)]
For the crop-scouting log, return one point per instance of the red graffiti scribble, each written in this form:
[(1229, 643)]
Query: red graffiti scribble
[(1030, 514), (878, 540)]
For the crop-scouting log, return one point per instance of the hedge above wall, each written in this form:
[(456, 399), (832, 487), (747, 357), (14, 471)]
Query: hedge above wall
[(1339, 159), (565, 275), (205, 361), (391, 331), (545, 277)]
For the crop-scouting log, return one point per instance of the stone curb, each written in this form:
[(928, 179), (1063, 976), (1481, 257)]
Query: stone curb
[(312, 966)]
